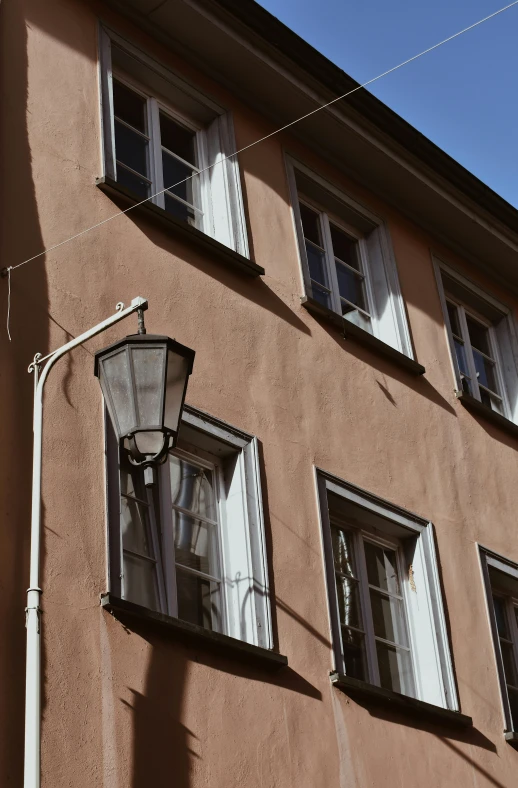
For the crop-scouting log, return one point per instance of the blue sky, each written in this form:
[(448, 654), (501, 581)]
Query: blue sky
[(463, 96)]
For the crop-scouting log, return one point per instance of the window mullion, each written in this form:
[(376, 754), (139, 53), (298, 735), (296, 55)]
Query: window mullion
[(330, 263), (155, 152), (468, 351), (370, 641)]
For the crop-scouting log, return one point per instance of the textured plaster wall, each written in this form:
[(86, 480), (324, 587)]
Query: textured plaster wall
[(125, 709)]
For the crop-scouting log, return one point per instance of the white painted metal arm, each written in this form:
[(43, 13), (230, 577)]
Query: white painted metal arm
[(32, 768)]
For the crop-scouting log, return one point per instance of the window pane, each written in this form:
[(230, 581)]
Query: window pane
[(320, 295), (131, 149), (316, 264), (192, 487), (466, 385), (461, 356), (177, 139), (194, 543), (310, 224), (513, 703), (133, 182), (198, 600), (178, 209), (354, 656), (129, 106), (174, 173), (485, 371), (478, 335), (342, 550), (344, 247), (349, 287), (394, 669), (140, 582), (509, 663), (348, 602), (501, 618), (387, 618), (135, 527), (381, 567), (453, 314)]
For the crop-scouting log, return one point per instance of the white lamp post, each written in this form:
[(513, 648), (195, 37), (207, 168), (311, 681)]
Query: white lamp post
[(144, 379)]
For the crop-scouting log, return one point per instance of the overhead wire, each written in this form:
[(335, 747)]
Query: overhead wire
[(7, 271)]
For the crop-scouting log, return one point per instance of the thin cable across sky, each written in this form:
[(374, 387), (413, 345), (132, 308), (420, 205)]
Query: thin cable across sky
[(8, 269)]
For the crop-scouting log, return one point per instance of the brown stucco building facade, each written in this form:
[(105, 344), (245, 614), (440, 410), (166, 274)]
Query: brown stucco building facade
[(392, 426)]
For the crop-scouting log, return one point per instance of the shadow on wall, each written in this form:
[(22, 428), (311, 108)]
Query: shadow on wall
[(20, 237), (164, 749)]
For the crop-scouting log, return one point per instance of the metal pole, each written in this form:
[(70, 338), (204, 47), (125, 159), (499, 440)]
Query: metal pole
[(32, 765)]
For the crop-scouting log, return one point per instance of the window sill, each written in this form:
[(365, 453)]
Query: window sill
[(511, 738), (350, 331), (191, 633), (190, 234), (398, 702), (470, 403)]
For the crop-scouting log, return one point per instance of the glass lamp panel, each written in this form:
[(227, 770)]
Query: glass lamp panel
[(150, 442), (149, 373), (176, 378), (117, 388), (192, 487)]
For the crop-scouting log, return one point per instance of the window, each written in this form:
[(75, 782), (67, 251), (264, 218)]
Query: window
[(187, 539), (159, 137), (501, 582), (483, 343), (347, 263), (387, 618)]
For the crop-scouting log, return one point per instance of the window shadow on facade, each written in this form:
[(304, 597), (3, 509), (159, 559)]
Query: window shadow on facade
[(20, 237)]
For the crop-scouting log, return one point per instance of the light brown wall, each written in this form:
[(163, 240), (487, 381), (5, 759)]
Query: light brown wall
[(128, 709)]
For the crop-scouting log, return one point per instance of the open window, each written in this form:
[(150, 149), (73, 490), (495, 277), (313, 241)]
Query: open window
[(501, 585), (347, 263), (164, 140), (387, 618), (482, 340), (187, 539)]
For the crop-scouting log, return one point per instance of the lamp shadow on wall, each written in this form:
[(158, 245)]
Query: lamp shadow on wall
[(164, 749)]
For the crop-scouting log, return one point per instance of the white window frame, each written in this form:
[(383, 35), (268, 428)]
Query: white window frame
[(219, 187), (502, 337), (431, 658), (490, 559), (386, 309), (245, 596)]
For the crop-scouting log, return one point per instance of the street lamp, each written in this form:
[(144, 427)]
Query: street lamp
[(144, 379)]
